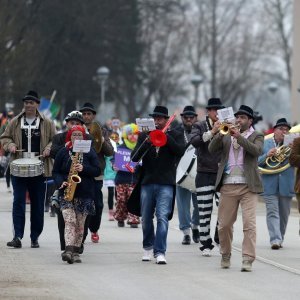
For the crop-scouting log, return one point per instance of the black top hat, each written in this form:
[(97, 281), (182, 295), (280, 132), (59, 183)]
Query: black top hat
[(74, 115), (214, 103), (245, 110), (32, 95), (160, 111), (88, 106), (189, 110), (282, 122)]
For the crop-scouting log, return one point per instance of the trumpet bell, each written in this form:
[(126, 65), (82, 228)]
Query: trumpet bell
[(158, 138), (224, 129)]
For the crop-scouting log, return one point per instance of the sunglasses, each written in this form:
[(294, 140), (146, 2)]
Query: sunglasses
[(188, 117)]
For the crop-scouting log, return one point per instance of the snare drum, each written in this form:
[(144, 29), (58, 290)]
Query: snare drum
[(187, 170), (26, 167)]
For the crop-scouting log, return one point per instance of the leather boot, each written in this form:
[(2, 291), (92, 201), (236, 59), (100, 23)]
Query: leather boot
[(68, 254), (76, 256)]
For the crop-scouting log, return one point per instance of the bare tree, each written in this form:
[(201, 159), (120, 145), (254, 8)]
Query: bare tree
[(223, 48), (278, 15)]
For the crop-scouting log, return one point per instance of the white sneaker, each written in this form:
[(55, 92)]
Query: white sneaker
[(147, 255), (161, 260), (206, 252)]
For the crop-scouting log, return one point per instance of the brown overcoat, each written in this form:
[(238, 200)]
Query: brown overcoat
[(13, 136)]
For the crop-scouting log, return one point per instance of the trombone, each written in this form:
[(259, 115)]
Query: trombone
[(157, 138)]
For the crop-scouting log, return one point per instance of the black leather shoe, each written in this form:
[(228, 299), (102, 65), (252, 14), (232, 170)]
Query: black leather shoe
[(186, 240), (16, 243), (35, 244), (121, 223), (196, 235)]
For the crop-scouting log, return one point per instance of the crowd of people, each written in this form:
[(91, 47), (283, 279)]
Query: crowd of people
[(234, 165)]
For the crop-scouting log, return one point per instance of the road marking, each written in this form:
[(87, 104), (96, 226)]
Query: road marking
[(272, 263), (264, 260)]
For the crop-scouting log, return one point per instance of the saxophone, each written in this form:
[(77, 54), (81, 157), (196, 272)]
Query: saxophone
[(73, 179)]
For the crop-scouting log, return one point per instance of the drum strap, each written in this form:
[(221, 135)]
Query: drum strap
[(30, 127)]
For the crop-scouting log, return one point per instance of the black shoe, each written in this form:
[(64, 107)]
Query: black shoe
[(186, 240), (35, 244), (134, 225), (16, 243), (121, 224), (196, 235)]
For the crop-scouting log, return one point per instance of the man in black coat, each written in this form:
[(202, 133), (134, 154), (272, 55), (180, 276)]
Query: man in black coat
[(207, 168), (158, 184)]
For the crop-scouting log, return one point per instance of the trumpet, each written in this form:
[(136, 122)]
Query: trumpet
[(225, 127)]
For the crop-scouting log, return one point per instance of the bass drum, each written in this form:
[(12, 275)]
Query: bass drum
[(187, 170)]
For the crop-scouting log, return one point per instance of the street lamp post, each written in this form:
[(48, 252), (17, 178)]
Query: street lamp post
[(196, 80), (102, 75)]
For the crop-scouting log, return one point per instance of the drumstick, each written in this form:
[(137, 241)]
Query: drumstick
[(20, 150)]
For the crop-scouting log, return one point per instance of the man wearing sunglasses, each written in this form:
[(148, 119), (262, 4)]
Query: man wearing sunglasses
[(183, 195)]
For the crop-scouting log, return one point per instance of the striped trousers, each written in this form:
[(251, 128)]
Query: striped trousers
[(205, 189)]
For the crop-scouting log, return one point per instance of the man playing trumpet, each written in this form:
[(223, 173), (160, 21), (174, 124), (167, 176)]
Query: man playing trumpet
[(278, 186), (239, 183)]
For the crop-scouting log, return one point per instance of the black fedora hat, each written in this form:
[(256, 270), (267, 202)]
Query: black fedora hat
[(282, 122), (160, 111), (189, 110), (214, 103), (245, 110), (32, 95), (88, 106)]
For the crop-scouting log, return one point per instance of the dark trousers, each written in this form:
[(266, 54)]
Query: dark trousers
[(61, 228), (110, 198), (36, 188), (7, 176), (92, 223)]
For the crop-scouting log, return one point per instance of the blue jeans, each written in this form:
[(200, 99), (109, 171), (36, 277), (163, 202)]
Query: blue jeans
[(183, 200), (37, 188), (278, 211), (156, 198)]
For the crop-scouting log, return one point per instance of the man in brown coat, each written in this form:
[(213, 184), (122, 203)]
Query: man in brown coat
[(30, 132), (239, 182)]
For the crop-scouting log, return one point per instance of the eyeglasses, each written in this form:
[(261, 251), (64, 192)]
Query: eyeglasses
[(77, 134), (188, 117)]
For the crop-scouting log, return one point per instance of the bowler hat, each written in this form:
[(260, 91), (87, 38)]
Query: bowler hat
[(189, 110), (245, 110), (282, 122), (88, 106), (160, 111), (214, 103), (32, 95)]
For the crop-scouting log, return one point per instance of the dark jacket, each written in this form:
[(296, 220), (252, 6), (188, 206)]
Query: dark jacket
[(206, 162), (160, 167), (107, 149), (253, 148), (91, 169)]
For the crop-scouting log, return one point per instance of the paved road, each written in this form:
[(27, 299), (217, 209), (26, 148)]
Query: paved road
[(113, 268)]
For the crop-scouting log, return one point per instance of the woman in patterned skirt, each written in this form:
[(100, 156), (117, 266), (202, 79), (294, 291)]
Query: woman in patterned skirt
[(75, 211)]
